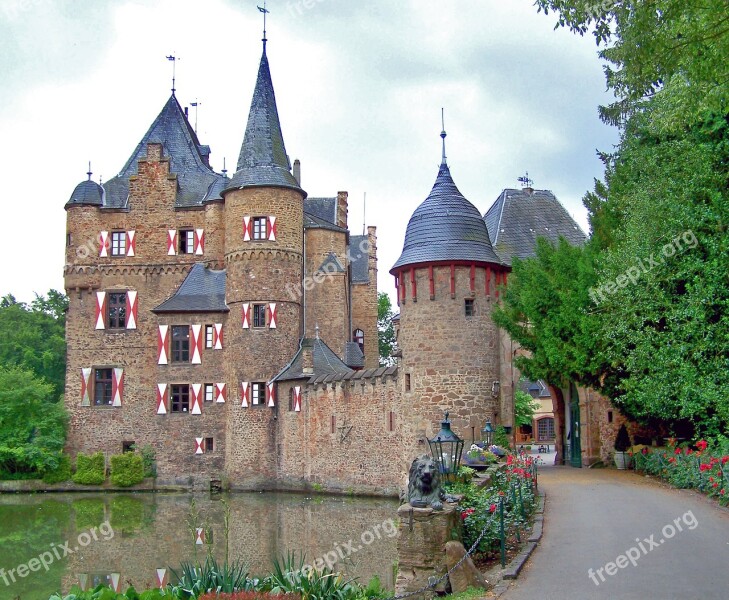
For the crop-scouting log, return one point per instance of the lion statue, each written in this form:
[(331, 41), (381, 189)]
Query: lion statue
[(424, 484)]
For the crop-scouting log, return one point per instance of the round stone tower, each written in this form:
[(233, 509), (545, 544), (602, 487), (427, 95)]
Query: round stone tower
[(446, 279), (263, 257)]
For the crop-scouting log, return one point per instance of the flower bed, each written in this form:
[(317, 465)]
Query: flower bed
[(702, 468)]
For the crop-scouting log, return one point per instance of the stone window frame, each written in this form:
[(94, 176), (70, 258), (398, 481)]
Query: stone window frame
[(259, 229), (208, 444), (186, 241), (258, 393), (118, 243), (177, 355), (178, 389), (208, 392), (469, 307), (260, 314), (107, 384), (209, 336), (116, 310)]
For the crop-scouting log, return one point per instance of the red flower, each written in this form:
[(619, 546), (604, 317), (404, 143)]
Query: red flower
[(492, 508), (672, 460), (677, 451), (705, 467), (702, 444), (711, 480), (716, 485), (724, 460), (644, 451), (722, 491), (689, 451), (509, 459)]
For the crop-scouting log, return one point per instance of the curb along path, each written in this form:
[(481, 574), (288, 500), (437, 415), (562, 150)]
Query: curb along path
[(618, 535)]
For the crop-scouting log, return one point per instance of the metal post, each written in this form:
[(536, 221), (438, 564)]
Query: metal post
[(502, 535)]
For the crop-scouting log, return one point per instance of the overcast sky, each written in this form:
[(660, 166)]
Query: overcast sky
[(359, 86)]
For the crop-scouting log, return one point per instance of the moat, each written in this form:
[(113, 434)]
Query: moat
[(137, 534)]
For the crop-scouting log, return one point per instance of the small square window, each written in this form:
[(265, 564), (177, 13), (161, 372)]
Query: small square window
[(186, 241), (180, 343), (469, 307), (260, 228), (407, 382), (258, 393), (209, 444), (208, 336), (116, 316), (259, 315), (179, 398), (128, 447), (610, 416), (102, 387), (209, 392), (118, 243)]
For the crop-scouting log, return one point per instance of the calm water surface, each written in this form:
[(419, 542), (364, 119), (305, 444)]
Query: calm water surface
[(147, 532)]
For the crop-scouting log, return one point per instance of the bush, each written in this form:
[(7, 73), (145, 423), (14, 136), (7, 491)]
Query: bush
[(501, 439), (103, 592), (127, 469), (622, 440), (90, 469), (148, 458), (249, 596), (61, 473)]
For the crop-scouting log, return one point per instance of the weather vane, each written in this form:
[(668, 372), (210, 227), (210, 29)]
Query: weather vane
[(265, 11), (195, 105), (525, 181), (443, 133), (174, 60)]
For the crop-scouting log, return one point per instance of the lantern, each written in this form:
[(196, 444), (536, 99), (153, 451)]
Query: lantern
[(446, 448)]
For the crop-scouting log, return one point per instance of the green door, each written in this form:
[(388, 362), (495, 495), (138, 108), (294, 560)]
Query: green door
[(575, 444)]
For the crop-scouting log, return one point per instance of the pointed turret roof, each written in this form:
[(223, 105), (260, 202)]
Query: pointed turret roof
[(196, 181), (263, 160), (446, 227)]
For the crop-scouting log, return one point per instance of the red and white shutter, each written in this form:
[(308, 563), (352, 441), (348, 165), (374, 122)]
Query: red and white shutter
[(297, 399), (272, 315), (171, 242), (162, 578), (218, 336), (131, 243), (100, 310), (85, 383), (272, 228), (199, 531), (132, 309), (245, 393), (117, 386), (199, 241), (104, 244), (162, 398), (270, 394), (199, 450), (196, 387), (246, 315), (115, 582), (220, 392), (247, 229), (163, 344), (197, 342)]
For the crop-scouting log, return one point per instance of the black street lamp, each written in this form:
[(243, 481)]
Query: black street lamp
[(487, 433), (446, 448)]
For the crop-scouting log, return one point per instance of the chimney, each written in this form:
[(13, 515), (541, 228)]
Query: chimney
[(186, 115), (307, 357), (297, 171), (342, 209)]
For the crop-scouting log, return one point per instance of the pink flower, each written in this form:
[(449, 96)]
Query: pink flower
[(492, 508), (702, 444)]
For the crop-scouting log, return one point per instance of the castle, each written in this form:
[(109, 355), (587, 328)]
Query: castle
[(231, 322)]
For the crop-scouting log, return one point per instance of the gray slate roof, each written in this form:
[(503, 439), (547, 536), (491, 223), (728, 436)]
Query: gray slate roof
[(331, 264), (446, 227), (325, 362), (537, 389), (195, 180), (202, 291), (353, 355), (359, 260), (323, 208), (314, 222), (87, 193), (263, 160), (518, 217)]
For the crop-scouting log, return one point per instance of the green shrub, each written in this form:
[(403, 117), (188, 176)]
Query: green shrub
[(90, 469), (150, 463), (501, 439), (61, 473), (127, 469), (103, 592)]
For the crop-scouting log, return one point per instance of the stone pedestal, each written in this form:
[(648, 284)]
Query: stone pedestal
[(421, 544)]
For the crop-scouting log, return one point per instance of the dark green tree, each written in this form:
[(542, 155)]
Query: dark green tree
[(385, 329)]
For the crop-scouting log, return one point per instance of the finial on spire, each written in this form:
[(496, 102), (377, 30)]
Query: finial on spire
[(224, 171), (443, 135), (89, 172), (265, 11), (174, 60), (316, 329), (525, 181)]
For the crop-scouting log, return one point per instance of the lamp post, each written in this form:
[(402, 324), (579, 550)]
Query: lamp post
[(446, 448), (487, 433)]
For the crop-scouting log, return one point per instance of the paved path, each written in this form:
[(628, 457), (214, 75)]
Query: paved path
[(594, 516)]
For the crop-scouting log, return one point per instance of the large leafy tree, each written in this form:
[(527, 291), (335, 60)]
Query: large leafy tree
[(385, 328), (33, 337)]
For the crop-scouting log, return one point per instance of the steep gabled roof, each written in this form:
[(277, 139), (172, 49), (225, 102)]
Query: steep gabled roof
[(518, 217), (263, 160), (202, 291), (446, 227), (325, 362), (187, 157), (360, 260)]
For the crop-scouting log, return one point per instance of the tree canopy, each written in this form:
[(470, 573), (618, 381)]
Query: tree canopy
[(385, 328)]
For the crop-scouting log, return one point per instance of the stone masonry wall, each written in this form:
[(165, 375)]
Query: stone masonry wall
[(364, 303)]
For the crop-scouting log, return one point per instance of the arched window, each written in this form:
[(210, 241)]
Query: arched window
[(545, 429), (359, 338)]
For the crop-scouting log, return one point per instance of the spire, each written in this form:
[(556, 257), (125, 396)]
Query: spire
[(265, 11), (443, 136)]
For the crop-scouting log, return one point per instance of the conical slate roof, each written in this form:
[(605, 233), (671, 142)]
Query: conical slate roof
[(446, 227), (263, 160), (87, 193)]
